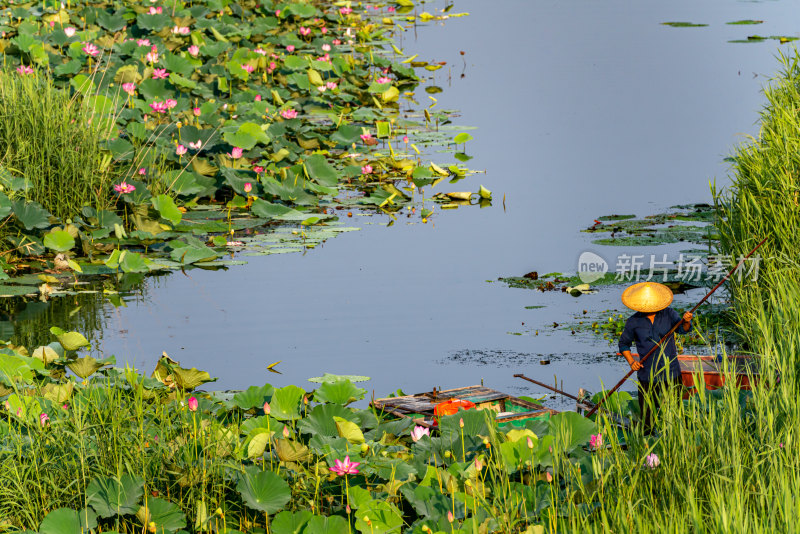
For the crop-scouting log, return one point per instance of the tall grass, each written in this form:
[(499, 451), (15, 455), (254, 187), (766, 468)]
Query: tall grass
[(53, 139)]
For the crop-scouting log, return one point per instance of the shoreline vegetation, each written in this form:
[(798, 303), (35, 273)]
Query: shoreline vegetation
[(90, 447)]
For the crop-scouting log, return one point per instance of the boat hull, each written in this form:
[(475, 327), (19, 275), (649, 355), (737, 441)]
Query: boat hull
[(706, 368)]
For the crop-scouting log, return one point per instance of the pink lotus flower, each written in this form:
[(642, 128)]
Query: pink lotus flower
[(366, 169), (142, 171), (69, 31), (236, 153), (171, 103), (160, 74), (248, 68), (278, 13), (290, 48), (196, 112), (272, 66), (44, 419), (450, 517), (324, 30), (152, 56), (90, 49), (124, 187), (418, 432), (260, 51), (530, 443), (158, 107), (143, 42), (234, 243), (596, 441), (345, 10), (24, 69), (248, 187), (390, 9), (326, 57), (384, 79), (155, 10), (129, 88), (331, 85), (305, 31), (192, 402), (286, 432), (181, 30), (257, 98), (267, 408), (193, 50), (181, 150), (405, 139), (337, 42), (345, 468), (326, 47), (652, 460), (289, 114), (366, 137), (258, 170), (196, 145), (321, 88)]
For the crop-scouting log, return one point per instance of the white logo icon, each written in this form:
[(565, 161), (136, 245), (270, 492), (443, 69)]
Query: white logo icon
[(591, 267)]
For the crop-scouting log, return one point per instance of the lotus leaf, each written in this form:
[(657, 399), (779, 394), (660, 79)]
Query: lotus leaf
[(59, 240), (252, 397), (67, 521), (290, 522), (291, 451), (25, 408), (340, 392), (166, 515), (320, 421), (258, 441), (286, 402), (320, 524), (14, 367), (31, 214), (263, 490), (69, 340), (86, 366), (111, 497), (348, 430), (383, 518), (574, 429), (167, 208), (188, 379)]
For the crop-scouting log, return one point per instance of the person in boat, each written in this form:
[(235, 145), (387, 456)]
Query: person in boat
[(660, 374)]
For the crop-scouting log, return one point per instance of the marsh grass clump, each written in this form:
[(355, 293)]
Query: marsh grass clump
[(52, 139)]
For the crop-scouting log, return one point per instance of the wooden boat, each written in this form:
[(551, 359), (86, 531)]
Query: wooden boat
[(744, 368), (509, 410)]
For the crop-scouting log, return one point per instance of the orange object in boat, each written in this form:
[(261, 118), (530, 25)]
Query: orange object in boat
[(451, 407)]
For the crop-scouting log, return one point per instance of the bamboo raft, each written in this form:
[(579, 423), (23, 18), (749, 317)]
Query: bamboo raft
[(509, 410)]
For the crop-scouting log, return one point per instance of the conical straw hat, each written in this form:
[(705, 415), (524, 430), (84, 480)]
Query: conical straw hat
[(647, 297)]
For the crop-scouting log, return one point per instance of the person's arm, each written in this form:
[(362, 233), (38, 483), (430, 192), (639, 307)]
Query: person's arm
[(625, 341)]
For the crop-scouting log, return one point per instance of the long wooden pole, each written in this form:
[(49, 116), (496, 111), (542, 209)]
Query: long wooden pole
[(672, 330)]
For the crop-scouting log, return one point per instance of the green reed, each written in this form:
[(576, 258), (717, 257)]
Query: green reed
[(53, 139)]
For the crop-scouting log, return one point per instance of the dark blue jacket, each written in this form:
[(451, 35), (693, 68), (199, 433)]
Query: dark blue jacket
[(639, 330)]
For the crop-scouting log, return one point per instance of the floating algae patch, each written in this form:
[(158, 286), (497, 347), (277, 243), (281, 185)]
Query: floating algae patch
[(745, 22), (684, 24), (690, 223), (782, 39)]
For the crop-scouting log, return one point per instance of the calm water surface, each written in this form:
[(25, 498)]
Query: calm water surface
[(583, 108)]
